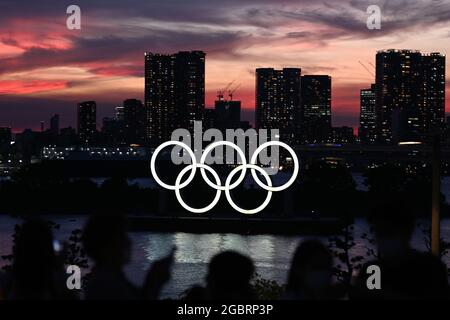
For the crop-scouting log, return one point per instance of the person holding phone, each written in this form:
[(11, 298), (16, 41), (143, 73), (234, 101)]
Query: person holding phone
[(106, 241)]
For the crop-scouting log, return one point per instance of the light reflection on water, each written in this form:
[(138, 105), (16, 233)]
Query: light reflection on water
[(270, 253)]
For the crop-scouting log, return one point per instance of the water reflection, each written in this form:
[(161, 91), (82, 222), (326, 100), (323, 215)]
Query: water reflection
[(271, 253)]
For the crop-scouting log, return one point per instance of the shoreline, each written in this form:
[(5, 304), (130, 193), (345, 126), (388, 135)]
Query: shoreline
[(245, 226)]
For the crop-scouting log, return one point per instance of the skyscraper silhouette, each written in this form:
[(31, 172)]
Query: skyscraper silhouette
[(432, 109), (227, 114), (368, 116), (87, 121), (134, 117), (54, 124), (278, 101), (316, 108), (174, 92), (410, 94)]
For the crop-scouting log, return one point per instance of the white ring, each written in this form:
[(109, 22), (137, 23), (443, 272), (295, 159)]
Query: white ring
[(178, 194), (294, 174), (153, 169), (228, 186), (227, 189), (241, 155)]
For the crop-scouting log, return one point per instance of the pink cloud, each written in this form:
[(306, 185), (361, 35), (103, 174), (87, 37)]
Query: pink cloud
[(20, 87)]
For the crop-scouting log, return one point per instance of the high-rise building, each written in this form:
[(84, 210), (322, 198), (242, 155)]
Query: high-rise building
[(432, 109), (174, 92), (368, 116), (227, 114), (410, 94), (113, 132), (398, 94), (316, 108), (190, 86), (54, 125), (119, 113), (209, 119), (446, 137), (162, 113), (87, 121), (134, 117), (278, 101), (342, 134), (5, 135)]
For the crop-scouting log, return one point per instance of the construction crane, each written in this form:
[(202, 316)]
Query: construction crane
[(232, 91), (367, 69), (220, 93), (371, 65)]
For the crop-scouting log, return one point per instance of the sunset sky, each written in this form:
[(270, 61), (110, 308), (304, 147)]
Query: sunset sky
[(46, 68)]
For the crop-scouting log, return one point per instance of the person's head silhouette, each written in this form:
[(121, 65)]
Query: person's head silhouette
[(229, 275), (34, 262), (394, 223), (311, 270), (406, 272), (106, 241)]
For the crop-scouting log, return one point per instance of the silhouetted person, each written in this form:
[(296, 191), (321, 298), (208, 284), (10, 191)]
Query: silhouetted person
[(229, 275), (106, 241), (405, 272), (36, 272), (310, 276), (194, 293)]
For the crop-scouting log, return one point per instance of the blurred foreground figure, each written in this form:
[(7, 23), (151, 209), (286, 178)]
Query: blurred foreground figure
[(229, 275), (310, 276), (405, 272), (106, 241), (36, 272)]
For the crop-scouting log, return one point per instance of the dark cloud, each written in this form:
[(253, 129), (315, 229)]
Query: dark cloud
[(112, 48), (115, 33), (348, 19), (343, 19), (299, 34), (346, 15)]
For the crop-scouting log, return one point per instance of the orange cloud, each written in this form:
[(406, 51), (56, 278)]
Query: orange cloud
[(19, 87)]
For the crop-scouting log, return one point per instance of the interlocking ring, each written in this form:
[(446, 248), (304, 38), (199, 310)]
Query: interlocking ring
[(227, 190), (208, 149), (153, 169), (294, 174), (178, 194), (228, 186)]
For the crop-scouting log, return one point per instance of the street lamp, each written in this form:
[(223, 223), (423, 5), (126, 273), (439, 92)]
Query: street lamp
[(436, 194), (435, 188)]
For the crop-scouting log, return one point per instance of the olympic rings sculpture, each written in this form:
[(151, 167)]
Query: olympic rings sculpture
[(228, 185)]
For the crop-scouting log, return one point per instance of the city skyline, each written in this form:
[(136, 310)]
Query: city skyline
[(179, 68), (47, 69), (408, 103)]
